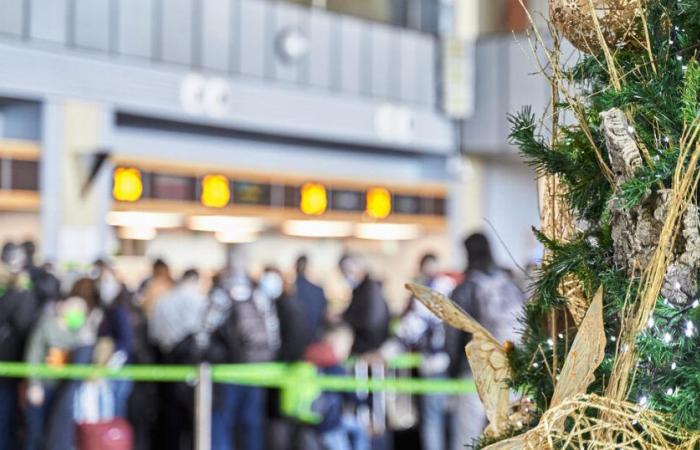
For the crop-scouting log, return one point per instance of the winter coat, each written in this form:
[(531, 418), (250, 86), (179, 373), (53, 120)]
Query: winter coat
[(368, 316), (18, 311), (313, 301), (495, 301)]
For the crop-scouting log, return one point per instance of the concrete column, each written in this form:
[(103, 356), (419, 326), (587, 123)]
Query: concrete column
[(466, 205), (73, 228)]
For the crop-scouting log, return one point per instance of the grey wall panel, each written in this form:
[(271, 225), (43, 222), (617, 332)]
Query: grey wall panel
[(252, 38), (176, 31), (21, 121), (483, 131), (425, 59), (409, 67), (92, 24), (380, 60), (351, 67), (286, 18), (135, 28), (216, 34), (48, 20), (11, 17), (321, 41), (525, 86)]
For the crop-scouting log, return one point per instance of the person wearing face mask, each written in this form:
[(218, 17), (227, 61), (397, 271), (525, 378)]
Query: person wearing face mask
[(368, 313), (64, 327), (116, 327), (294, 337), (239, 320)]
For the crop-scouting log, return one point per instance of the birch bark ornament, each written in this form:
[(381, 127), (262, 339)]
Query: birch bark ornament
[(580, 21)]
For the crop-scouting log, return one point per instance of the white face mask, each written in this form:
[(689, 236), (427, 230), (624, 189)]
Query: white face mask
[(272, 285), (109, 289)]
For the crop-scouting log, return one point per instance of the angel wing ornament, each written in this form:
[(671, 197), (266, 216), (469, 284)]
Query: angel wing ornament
[(487, 357), (489, 363)]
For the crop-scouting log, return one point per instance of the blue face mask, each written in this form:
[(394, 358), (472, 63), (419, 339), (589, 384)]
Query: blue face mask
[(272, 285)]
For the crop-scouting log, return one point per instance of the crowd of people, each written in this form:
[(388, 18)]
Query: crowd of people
[(92, 317)]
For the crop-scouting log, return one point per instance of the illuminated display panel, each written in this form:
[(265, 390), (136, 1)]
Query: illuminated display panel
[(314, 199), (245, 193), (377, 202), (172, 187), (216, 191)]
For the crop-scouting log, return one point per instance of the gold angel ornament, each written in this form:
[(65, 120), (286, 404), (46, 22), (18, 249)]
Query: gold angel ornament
[(489, 363)]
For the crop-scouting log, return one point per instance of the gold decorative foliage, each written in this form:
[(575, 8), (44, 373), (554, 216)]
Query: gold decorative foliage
[(585, 22)]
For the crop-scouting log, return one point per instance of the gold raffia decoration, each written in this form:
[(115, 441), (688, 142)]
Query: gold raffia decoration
[(585, 355), (580, 21), (634, 426), (487, 357)]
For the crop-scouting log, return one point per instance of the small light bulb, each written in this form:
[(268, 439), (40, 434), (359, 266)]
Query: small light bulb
[(689, 329), (696, 303), (667, 338), (550, 342), (561, 336), (643, 400), (613, 338), (535, 365), (673, 366), (630, 129), (650, 322), (669, 391)]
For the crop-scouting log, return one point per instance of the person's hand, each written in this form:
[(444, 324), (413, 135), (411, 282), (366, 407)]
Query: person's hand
[(35, 394)]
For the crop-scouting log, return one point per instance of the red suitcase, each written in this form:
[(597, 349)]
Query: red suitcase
[(115, 434)]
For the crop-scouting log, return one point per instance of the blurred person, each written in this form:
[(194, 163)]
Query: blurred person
[(173, 324), (422, 332), (491, 296), (339, 429), (368, 313), (237, 321), (178, 314), (116, 329), (311, 297), (18, 309), (295, 336), (47, 286), (155, 286), (63, 327)]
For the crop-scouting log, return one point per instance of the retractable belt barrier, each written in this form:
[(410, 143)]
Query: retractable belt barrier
[(300, 383)]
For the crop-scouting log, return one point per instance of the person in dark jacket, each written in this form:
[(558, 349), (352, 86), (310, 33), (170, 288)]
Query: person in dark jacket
[(368, 313), (312, 299), (46, 285), (114, 299), (17, 315)]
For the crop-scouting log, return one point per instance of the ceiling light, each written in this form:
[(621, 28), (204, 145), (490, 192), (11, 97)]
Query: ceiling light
[(139, 219), (387, 231), (317, 228), (137, 233), (226, 223), (236, 237)]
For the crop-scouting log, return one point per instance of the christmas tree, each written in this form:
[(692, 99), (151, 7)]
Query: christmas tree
[(610, 354)]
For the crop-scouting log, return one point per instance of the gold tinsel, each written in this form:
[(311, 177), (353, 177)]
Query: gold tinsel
[(581, 21)]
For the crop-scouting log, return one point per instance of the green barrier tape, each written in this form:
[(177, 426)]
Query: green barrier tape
[(405, 361), (264, 374), (300, 383)]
